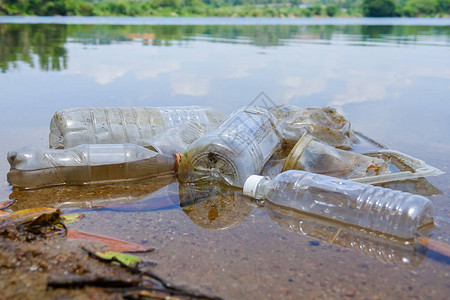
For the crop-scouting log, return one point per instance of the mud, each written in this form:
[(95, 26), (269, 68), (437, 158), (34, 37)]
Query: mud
[(47, 265)]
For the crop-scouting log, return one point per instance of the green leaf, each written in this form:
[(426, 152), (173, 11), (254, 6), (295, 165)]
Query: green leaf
[(126, 259), (71, 218)]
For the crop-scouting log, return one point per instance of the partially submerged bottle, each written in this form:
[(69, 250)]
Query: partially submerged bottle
[(235, 150), (174, 140), (34, 167), (108, 125), (392, 212)]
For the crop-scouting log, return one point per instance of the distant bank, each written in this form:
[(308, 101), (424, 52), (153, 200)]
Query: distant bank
[(227, 8)]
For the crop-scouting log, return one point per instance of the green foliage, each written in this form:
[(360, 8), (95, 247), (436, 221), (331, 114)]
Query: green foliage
[(243, 8), (331, 10), (317, 9), (414, 8), (85, 9), (378, 8)]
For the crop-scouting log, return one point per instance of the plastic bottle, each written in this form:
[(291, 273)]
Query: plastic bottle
[(103, 125), (235, 150), (380, 209), (174, 140), (34, 167)]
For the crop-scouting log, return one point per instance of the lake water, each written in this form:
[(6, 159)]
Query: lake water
[(389, 77)]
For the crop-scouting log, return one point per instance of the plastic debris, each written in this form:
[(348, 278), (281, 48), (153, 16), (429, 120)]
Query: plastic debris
[(410, 168), (324, 123), (235, 150), (34, 167), (119, 125), (392, 212), (314, 156), (174, 140)]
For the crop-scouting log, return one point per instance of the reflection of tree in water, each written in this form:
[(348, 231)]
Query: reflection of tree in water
[(24, 42)]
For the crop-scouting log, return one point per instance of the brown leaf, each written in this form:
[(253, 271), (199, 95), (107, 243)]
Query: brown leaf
[(442, 248), (110, 243), (27, 215), (7, 203), (4, 213)]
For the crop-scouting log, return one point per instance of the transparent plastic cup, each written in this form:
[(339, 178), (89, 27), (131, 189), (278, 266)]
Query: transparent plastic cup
[(314, 156)]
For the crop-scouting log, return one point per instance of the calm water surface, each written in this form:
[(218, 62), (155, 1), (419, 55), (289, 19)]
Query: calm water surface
[(390, 78)]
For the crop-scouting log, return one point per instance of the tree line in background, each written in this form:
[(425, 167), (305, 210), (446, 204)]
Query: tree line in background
[(229, 8)]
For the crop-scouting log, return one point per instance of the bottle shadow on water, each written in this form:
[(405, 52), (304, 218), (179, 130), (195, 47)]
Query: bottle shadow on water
[(148, 194), (384, 248), (214, 207)]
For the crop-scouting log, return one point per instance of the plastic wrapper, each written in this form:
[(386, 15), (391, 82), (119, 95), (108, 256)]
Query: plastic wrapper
[(324, 123)]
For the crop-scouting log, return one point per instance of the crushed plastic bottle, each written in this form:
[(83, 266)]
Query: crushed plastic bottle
[(34, 167), (235, 150), (324, 123), (103, 125), (314, 156), (175, 140), (392, 212)]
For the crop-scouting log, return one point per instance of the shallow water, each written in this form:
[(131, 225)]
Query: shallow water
[(389, 77)]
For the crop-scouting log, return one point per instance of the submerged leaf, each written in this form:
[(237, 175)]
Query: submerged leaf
[(46, 219), (126, 259), (110, 243), (442, 248), (72, 218), (27, 215)]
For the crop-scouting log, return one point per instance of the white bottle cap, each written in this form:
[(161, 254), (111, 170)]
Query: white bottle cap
[(250, 185)]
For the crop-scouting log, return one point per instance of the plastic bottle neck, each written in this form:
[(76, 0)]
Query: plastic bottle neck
[(256, 186)]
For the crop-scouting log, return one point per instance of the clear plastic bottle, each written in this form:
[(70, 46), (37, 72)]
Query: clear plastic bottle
[(393, 212), (174, 140), (235, 150), (34, 167), (107, 125)]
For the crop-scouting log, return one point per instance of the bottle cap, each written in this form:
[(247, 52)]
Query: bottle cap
[(250, 185)]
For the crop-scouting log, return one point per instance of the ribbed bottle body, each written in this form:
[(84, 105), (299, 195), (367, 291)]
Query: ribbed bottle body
[(175, 140), (103, 125), (380, 209), (236, 149), (34, 167)]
